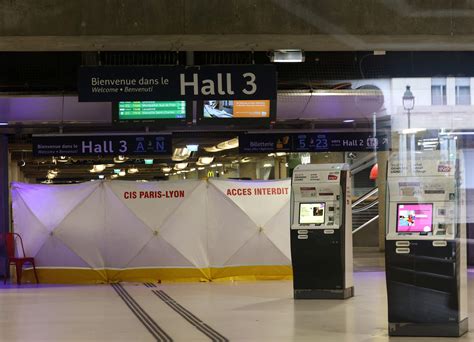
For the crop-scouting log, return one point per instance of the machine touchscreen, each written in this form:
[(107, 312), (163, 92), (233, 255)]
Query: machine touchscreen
[(414, 217), (312, 213)]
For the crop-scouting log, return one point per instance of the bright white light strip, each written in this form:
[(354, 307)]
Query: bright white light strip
[(412, 130)]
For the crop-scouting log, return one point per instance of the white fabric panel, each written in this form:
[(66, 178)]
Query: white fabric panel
[(186, 228), (259, 250), (152, 211), (33, 233), (277, 230), (159, 253), (125, 233), (257, 201), (55, 253), (83, 230), (52, 203), (123, 224), (229, 228)]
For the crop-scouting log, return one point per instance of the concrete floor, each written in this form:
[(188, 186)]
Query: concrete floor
[(237, 311)]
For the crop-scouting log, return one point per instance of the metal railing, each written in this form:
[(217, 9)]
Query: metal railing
[(364, 197), (360, 200)]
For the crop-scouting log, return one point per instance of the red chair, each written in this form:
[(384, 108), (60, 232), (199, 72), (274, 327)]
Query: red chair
[(10, 244)]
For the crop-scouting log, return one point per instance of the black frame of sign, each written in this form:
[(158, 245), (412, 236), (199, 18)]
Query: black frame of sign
[(248, 122), (187, 120)]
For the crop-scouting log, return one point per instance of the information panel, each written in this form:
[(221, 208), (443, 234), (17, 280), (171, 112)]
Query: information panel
[(313, 142), (112, 144), (151, 110)]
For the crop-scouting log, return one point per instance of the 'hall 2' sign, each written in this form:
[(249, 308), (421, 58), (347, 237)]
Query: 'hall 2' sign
[(172, 83)]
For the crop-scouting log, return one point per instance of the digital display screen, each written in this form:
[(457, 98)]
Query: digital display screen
[(236, 109), (415, 217), (312, 213), (151, 110)]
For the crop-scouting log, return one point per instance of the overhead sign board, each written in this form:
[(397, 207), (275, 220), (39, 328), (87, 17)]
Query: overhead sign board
[(172, 83), (112, 144), (313, 142)]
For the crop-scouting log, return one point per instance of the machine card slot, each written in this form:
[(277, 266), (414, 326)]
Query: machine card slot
[(440, 243), (402, 250), (328, 231), (402, 243), (302, 231), (302, 237)]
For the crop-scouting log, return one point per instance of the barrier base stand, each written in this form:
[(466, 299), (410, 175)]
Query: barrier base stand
[(454, 329), (324, 293)]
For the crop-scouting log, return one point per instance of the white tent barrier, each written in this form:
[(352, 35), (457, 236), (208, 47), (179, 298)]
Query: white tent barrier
[(184, 230)]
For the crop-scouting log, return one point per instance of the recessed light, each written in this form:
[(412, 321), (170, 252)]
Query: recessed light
[(348, 120)]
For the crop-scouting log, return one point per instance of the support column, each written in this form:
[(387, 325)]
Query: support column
[(4, 196)]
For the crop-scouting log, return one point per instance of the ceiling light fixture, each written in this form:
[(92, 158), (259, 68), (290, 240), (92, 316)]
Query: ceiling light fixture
[(166, 169), (204, 161), (97, 168), (225, 145), (180, 154), (120, 159), (132, 170), (122, 173), (180, 166), (287, 56)]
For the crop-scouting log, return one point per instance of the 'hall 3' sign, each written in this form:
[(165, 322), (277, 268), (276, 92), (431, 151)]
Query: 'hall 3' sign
[(119, 144), (172, 83)]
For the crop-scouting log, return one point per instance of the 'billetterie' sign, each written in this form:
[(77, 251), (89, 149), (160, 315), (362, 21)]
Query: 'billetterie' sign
[(155, 83)]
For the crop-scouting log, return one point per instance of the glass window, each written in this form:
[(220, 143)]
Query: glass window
[(438, 91), (463, 91)]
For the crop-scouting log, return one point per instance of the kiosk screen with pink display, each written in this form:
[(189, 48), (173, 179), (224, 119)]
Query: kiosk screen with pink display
[(415, 218)]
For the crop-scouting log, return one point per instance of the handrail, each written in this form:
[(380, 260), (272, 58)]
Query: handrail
[(364, 197), (364, 163), (368, 206), (365, 224)]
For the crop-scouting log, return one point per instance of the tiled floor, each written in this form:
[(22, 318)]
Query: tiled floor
[(240, 311)]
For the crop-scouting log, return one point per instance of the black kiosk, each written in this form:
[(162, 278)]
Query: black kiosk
[(425, 246), (321, 232)]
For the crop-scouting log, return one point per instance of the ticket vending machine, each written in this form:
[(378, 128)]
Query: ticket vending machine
[(321, 232), (425, 246)]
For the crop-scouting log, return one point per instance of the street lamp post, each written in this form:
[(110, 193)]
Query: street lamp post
[(408, 102)]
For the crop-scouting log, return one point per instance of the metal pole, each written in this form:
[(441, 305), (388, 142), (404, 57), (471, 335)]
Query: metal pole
[(409, 126)]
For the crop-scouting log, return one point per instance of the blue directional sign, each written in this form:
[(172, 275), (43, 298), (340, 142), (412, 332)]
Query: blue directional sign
[(112, 144)]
